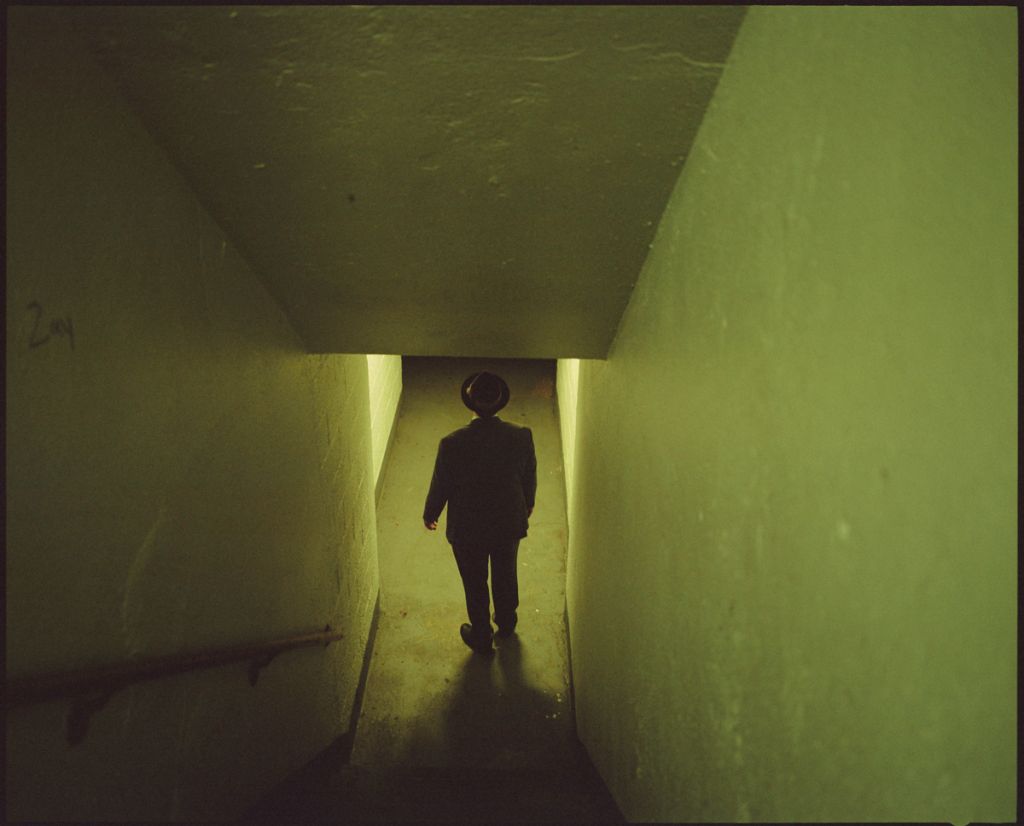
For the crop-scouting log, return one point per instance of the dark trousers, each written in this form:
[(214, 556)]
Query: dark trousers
[(471, 558)]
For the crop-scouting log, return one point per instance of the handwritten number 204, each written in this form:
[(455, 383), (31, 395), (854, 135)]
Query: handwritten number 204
[(56, 327)]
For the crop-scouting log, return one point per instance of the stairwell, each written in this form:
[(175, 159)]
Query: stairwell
[(443, 733)]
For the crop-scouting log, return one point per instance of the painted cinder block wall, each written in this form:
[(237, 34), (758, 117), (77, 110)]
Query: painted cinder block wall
[(180, 474), (793, 557)]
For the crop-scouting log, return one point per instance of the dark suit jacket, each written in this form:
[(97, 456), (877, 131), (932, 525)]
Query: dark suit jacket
[(487, 474)]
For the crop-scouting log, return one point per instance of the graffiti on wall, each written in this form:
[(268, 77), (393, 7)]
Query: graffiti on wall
[(44, 329)]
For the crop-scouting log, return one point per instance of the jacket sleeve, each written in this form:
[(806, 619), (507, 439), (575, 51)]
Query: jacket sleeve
[(440, 489), (530, 472)]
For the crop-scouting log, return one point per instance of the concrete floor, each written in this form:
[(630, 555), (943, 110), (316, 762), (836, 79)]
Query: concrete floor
[(444, 733), (429, 700)]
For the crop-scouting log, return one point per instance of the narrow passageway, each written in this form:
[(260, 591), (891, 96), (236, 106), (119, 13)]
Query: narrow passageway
[(422, 678), (445, 733)]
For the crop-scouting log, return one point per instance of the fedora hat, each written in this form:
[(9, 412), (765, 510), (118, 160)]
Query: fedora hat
[(484, 393)]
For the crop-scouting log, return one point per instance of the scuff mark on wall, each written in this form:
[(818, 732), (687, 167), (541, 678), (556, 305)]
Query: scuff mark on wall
[(689, 61), (133, 605), (551, 58)]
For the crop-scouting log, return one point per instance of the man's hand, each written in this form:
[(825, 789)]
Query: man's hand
[(430, 526)]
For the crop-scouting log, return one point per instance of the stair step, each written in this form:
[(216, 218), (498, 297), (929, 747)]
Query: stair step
[(402, 794)]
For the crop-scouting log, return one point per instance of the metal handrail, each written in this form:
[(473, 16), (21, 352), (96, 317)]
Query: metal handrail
[(93, 687)]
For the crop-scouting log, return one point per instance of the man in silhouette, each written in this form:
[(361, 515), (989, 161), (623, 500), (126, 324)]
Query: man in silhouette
[(487, 474)]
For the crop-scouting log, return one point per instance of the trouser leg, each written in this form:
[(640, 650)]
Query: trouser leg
[(505, 583), (472, 562)]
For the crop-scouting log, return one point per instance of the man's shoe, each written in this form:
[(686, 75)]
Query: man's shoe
[(466, 630), (506, 631)]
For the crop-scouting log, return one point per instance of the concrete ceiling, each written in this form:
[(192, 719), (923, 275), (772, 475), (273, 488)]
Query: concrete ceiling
[(428, 180)]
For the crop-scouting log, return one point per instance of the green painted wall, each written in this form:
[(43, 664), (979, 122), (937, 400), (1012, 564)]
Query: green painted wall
[(567, 382), (793, 560), (385, 388), (180, 474)]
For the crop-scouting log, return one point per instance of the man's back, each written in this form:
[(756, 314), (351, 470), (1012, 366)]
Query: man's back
[(487, 474)]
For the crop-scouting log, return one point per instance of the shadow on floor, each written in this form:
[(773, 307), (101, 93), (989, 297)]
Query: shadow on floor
[(490, 718), (470, 768)]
